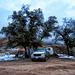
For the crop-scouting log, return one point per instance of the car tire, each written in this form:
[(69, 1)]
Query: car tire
[(45, 60)]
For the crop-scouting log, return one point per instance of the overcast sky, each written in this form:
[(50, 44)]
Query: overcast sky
[(58, 8)]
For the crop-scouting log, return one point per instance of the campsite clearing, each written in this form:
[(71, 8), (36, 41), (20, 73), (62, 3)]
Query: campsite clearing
[(53, 66)]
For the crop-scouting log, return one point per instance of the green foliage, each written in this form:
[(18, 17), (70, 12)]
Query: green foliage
[(49, 26), (72, 52), (28, 28), (66, 33), (24, 27)]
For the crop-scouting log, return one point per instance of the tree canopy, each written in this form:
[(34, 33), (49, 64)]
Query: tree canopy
[(28, 28), (66, 32)]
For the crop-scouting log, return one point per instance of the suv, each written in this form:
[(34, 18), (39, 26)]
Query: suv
[(40, 54)]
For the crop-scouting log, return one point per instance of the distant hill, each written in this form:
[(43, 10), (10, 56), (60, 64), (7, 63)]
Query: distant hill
[(58, 48), (3, 41)]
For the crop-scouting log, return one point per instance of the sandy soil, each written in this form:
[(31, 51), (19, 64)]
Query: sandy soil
[(53, 66)]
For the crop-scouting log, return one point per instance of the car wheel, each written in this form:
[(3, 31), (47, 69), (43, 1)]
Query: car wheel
[(45, 60)]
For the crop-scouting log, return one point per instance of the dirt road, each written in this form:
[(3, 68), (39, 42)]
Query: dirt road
[(53, 66)]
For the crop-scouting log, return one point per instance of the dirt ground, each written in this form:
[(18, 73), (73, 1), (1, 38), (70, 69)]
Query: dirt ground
[(53, 66)]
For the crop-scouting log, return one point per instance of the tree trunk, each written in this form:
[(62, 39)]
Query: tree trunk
[(68, 49), (29, 52), (25, 52)]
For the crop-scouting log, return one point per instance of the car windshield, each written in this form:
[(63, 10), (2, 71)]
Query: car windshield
[(40, 50)]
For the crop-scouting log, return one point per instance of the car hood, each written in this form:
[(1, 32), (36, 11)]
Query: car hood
[(38, 52)]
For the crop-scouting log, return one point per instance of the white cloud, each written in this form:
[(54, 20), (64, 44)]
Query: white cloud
[(59, 8), (71, 10), (12, 4)]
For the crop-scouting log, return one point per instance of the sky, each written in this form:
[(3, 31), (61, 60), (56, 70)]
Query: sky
[(58, 8)]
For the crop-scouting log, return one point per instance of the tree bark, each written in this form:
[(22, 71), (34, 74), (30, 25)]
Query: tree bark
[(68, 49), (29, 52), (25, 52)]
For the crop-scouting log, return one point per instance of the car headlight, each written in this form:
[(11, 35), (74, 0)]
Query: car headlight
[(43, 54)]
